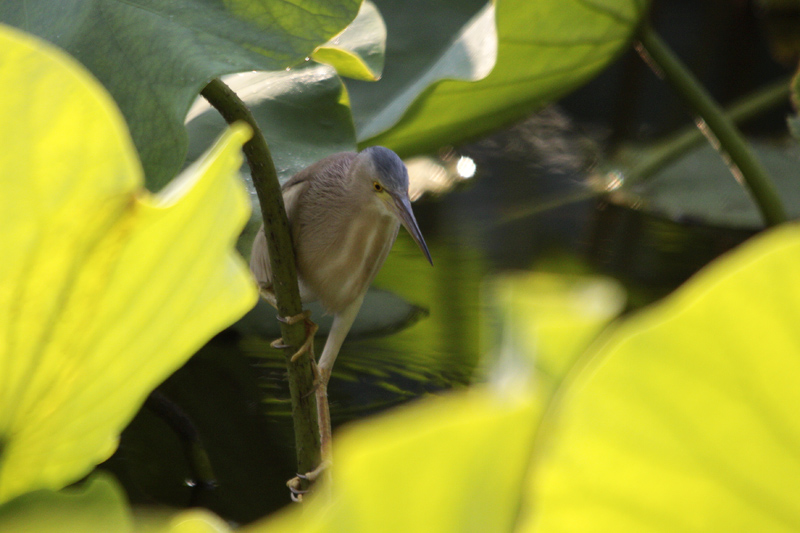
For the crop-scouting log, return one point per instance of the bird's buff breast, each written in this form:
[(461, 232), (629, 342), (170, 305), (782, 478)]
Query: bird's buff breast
[(346, 268)]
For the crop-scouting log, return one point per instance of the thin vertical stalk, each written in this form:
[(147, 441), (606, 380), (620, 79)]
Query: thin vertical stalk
[(284, 272), (714, 122)]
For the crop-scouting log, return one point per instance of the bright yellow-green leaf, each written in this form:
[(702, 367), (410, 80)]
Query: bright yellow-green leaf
[(686, 419), (104, 289), (449, 464), (97, 505), (358, 51), (551, 318), (197, 520)]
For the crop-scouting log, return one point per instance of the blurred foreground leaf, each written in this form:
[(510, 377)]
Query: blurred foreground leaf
[(104, 289), (454, 463), (97, 505), (686, 418), (550, 319)]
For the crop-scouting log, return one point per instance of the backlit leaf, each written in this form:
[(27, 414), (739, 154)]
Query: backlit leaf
[(96, 505), (686, 418), (453, 463), (104, 289)]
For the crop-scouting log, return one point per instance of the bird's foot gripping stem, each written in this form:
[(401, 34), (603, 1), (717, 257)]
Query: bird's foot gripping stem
[(311, 330), (295, 484)]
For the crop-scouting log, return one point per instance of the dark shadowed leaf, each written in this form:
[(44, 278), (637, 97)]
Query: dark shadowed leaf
[(543, 50), (154, 56), (302, 112), (358, 51)]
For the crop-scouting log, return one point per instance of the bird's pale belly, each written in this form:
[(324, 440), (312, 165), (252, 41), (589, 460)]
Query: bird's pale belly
[(349, 266)]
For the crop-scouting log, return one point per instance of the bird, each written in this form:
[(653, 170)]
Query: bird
[(344, 213)]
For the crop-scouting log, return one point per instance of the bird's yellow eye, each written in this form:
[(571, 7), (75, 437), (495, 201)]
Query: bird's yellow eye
[(377, 186)]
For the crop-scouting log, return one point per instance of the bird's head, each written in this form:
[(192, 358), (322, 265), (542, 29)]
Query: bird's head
[(384, 176)]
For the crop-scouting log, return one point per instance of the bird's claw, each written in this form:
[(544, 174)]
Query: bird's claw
[(295, 492), (311, 330), (295, 484), (305, 315)]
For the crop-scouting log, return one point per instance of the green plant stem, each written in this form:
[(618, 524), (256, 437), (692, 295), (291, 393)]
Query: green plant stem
[(665, 63), (673, 147), (284, 272)]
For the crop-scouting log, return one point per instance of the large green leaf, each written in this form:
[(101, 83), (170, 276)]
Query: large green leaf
[(303, 114), (303, 111), (543, 50), (104, 289), (686, 418), (154, 56), (358, 51)]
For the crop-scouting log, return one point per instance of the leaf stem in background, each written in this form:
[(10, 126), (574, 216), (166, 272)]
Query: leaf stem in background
[(284, 271), (661, 59), (674, 146)]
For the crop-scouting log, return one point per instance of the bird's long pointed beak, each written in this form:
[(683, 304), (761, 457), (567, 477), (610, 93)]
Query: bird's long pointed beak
[(408, 221)]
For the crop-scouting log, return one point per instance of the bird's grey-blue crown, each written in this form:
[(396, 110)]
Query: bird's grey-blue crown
[(392, 171)]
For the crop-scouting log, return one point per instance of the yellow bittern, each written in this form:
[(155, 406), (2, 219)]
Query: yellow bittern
[(344, 213)]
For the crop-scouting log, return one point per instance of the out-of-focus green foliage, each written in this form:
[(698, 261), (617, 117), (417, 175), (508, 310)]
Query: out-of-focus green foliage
[(154, 56), (794, 121), (682, 418), (105, 289), (685, 418), (676, 193), (511, 58), (550, 319), (448, 464), (97, 505)]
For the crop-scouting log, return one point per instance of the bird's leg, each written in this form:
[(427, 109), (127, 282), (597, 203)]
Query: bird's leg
[(324, 420), (266, 292), (342, 322)]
